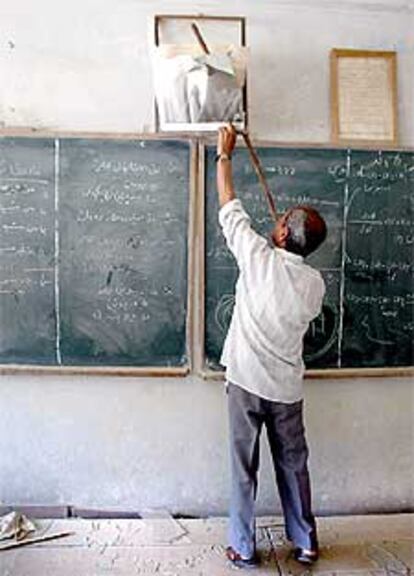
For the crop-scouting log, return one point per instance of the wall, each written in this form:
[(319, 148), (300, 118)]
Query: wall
[(139, 443), (135, 444)]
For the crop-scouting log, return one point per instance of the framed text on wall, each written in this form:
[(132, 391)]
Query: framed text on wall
[(363, 96)]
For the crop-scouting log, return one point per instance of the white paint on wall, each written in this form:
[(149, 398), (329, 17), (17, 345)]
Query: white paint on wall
[(136, 444), (86, 65)]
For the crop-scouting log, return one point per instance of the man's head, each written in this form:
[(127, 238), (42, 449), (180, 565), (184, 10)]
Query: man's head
[(300, 230)]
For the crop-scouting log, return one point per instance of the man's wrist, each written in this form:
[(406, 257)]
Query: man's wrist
[(223, 156)]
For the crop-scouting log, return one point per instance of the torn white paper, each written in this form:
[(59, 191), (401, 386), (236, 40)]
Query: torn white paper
[(199, 88), (15, 525)]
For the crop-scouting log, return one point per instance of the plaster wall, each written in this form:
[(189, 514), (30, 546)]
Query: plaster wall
[(137, 444), (148, 443), (85, 65)]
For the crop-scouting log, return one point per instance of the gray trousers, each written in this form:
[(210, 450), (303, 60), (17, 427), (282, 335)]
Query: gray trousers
[(286, 435)]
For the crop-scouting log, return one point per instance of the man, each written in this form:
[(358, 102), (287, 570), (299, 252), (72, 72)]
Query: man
[(277, 296)]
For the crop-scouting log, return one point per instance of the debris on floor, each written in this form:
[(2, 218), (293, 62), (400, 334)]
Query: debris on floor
[(15, 528)]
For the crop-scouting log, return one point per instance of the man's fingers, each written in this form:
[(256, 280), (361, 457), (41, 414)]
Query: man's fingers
[(221, 135), (226, 139)]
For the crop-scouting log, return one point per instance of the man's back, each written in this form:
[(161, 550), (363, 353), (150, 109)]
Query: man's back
[(277, 295)]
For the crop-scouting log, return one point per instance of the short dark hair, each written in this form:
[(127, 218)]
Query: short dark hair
[(307, 230)]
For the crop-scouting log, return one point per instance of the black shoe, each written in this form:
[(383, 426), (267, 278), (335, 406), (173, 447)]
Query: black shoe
[(239, 562), (305, 556)]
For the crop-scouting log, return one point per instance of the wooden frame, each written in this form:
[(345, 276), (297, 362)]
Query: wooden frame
[(363, 96), (153, 372), (136, 371), (334, 373), (200, 280), (206, 126), (196, 274)]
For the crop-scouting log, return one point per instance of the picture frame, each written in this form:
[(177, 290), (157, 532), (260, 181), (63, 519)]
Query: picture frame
[(364, 96), (232, 28)]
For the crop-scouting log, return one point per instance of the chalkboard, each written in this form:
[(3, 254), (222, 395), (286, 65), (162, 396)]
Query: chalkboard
[(367, 200), (93, 253), (27, 253)]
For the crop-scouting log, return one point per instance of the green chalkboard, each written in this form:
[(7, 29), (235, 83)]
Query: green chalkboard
[(27, 255), (93, 251), (367, 199), (379, 266)]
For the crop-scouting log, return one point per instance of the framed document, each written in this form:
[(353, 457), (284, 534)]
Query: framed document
[(363, 96)]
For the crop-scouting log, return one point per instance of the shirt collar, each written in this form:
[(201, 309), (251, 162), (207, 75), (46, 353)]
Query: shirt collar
[(289, 255)]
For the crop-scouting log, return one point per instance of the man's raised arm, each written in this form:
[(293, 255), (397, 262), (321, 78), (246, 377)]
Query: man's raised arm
[(242, 241), (225, 146)]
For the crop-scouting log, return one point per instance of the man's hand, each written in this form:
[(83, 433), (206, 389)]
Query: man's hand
[(226, 140)]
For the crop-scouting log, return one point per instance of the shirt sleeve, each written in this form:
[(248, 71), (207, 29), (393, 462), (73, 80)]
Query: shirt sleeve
[(241, 239)]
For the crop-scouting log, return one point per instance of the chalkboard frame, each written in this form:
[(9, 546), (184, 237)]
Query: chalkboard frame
[(139, 371), (195, 321), (316, 373)]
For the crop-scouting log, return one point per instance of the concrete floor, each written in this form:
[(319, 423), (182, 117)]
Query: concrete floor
[(350, 546)]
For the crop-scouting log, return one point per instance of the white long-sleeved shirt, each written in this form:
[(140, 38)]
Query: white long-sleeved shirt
[(277, 296)]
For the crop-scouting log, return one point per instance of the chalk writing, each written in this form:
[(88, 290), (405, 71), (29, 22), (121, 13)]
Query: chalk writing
[(88, 215), (18, 169), (400, 300), (143, 192), (391, 269), (338, 172), (367, 199), (127, 167), (372, 220), (26, 250), (391, 166), (404, 239), (125, 220), (306, 199), (281, 170)]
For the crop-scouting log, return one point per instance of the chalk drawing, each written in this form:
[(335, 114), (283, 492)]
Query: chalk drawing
[(321, 324), (223, 312), (372, 338)]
